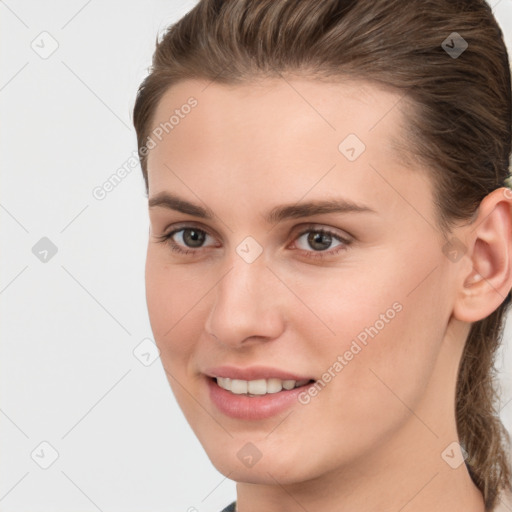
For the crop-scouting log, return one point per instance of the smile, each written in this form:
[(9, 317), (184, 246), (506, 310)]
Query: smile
[(260, 386), (242, 403)]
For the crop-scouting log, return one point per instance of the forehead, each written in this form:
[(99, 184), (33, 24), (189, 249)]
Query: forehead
[(285, 132), (223, 115), (323, 106)]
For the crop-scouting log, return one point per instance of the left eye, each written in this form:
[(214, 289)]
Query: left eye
[(319, 240)]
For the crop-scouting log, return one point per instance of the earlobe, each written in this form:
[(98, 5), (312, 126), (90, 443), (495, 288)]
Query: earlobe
[(489, 248)]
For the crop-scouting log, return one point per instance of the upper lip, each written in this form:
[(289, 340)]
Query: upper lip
[(253, 373)]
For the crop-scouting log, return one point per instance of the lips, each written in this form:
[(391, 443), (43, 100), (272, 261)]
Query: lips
[(254, 373), (252, 408)]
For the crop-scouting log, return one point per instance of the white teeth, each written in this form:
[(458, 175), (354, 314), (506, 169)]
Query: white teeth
[(224, 382), (288, 384), (274, 385), (238, 386), (259, 386)]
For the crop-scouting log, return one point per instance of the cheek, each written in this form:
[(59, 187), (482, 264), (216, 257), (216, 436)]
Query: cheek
[(385, 336), (172, 297), (386, 379), (174, 301)]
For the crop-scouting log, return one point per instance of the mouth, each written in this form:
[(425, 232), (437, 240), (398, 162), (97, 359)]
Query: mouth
[(260, 398), (259, 387)]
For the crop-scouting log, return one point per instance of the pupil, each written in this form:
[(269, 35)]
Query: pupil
[(194, 239), (317, 238)]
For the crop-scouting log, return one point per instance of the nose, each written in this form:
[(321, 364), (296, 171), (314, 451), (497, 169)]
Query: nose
[(246, 306)]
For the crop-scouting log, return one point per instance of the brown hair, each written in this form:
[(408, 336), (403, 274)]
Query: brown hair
[(459, 125)]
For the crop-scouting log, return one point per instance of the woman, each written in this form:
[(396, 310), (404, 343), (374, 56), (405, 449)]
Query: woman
[(330, 251)]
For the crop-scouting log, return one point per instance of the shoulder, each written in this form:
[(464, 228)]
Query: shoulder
[(504, 504), (231, 507)]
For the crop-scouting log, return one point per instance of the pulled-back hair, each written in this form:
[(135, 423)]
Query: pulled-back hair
[(458, 126)]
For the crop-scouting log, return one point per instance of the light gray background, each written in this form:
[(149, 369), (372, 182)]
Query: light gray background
[(70, 325)]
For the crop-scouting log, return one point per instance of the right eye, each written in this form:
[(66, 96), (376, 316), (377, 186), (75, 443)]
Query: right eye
[(191, 238)]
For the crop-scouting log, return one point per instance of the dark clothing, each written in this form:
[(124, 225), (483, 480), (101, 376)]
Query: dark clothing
[(230, 507)]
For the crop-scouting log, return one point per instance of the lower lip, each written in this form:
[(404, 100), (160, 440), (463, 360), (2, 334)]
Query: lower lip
[(245, 407)]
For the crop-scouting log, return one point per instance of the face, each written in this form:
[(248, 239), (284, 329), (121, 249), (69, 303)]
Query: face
[(311, 249)]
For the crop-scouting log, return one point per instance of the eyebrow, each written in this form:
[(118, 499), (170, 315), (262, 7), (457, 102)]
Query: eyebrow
[(276, 214)]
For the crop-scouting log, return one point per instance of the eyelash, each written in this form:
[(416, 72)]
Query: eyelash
[(167, 238)]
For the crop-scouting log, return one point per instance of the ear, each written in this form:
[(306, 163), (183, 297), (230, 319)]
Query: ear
[(488, 240)]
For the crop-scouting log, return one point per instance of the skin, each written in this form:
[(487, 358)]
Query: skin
[(373, 438)]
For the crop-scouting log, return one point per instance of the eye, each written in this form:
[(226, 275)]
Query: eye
[(320, 240), (184, 238), (189, 239)]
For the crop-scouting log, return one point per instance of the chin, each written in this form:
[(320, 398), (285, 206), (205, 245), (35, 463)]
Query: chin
[(268, 469), (262, 473)]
